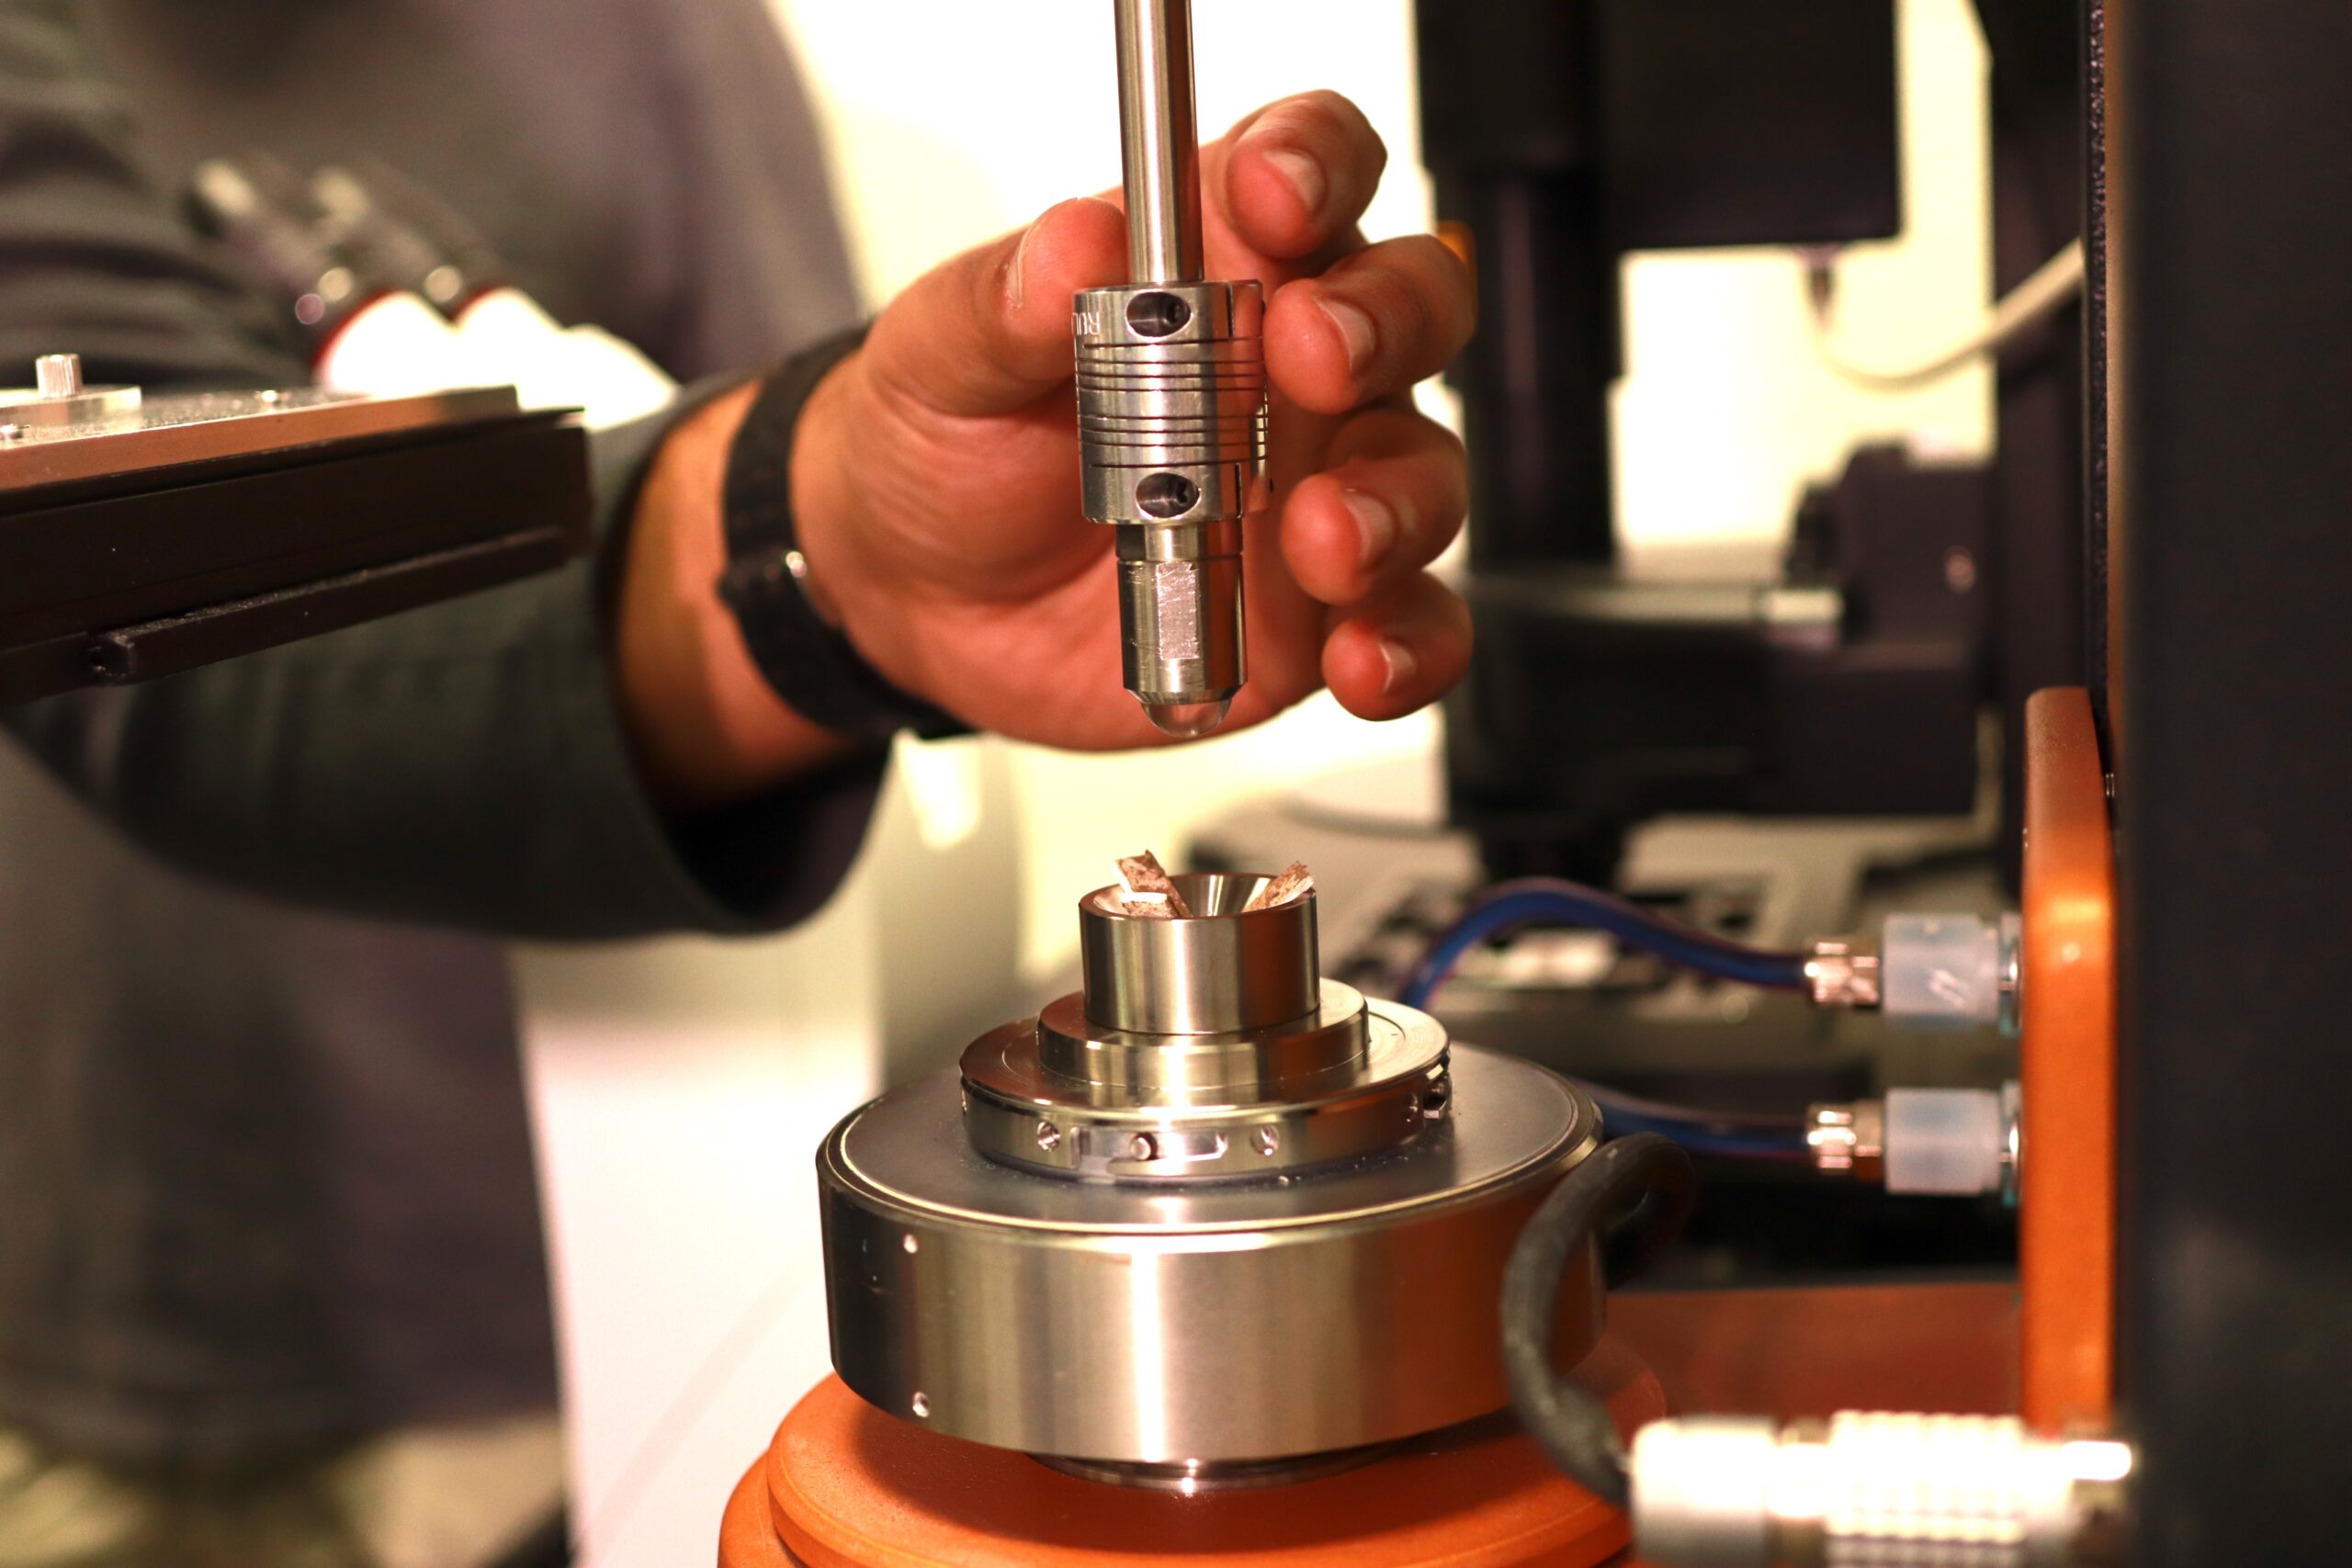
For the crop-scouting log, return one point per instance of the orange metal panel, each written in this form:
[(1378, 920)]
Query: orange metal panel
[(2066, 1224), (1950, 1349)]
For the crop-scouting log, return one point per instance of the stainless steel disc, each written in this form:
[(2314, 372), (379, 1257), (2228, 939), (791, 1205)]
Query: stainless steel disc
[(1345, 1082), (1143, 1324)]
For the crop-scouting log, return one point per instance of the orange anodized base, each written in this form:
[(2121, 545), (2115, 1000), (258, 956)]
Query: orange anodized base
[(845, 1486), (2066, 1224)]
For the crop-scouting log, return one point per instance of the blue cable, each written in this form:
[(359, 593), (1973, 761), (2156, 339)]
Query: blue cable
[(1694, 1133), (1511, 905)]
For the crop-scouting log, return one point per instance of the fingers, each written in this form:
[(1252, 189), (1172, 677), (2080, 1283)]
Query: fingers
[(1292, 178), (1399, 651), (1374, 324), (1390, 501), (988, 332)]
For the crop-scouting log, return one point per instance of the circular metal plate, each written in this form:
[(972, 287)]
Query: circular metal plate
[(1389, 1090), (1258, 1063), (1140, 1324)]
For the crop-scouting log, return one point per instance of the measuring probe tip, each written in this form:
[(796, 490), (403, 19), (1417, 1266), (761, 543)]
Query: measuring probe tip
[(1189, 721)]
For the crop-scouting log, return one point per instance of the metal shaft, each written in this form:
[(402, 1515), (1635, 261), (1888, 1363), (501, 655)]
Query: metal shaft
[(1160, 139), (1171, 399)]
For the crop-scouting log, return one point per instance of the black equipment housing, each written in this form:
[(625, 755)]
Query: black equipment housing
[(2165, 523), (129, 576), (1564, 134)]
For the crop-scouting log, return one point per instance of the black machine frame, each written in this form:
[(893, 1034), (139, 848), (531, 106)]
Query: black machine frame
[(2220, 133), (1564, 134), (112, 577), (2165, 523)]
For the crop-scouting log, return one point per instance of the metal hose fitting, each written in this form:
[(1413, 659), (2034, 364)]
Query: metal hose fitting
[(1874, 1491), (1171, 400)]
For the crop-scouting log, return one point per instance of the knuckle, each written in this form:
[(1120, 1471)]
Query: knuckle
[(1404, 287), (1333, 123), (1351, 124), (1321, 112), (1300, 119), (1430, 253), (1444, 279)]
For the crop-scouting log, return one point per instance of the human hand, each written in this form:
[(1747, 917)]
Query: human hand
[(935, 471)]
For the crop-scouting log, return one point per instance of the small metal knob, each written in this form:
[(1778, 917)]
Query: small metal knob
[(58, 375)]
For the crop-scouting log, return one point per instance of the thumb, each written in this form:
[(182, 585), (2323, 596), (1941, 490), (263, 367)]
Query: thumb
[(987, 332)]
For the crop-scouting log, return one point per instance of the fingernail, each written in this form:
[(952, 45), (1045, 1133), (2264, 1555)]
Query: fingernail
[(1356, 330), (1303, 173), (1013, 270), (1376, 527), (1401, 664)]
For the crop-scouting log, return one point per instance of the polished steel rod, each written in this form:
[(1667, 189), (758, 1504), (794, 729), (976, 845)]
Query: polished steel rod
[(1160, 139)]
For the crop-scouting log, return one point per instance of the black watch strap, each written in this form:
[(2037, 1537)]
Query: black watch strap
[(810, 663)]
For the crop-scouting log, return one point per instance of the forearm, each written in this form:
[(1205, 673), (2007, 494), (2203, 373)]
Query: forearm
[(707, 726)]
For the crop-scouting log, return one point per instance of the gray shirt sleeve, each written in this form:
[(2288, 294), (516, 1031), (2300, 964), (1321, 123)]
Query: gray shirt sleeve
[(460, 764), (91, 257)]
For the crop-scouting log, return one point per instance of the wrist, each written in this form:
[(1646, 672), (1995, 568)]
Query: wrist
[(801, 599), (707, 726), (822, 506), (849, 590)]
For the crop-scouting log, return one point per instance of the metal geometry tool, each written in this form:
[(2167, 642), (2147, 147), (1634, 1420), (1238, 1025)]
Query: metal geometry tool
[(1171, 399)]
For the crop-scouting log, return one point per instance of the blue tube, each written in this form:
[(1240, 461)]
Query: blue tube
[(1511, 905), (1514, 904), (1694, 1133)]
